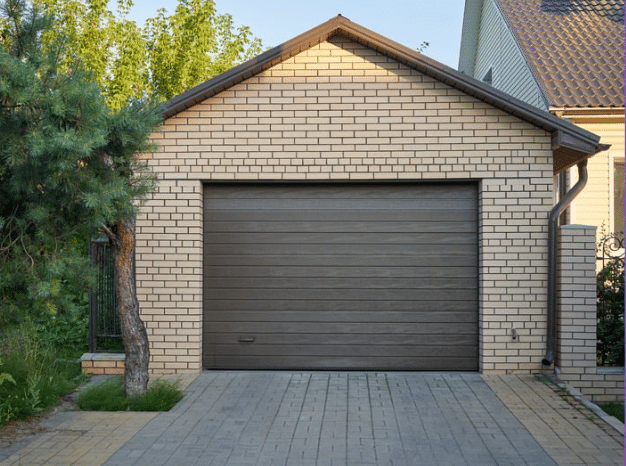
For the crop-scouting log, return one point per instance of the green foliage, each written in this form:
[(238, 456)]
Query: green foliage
[(68, 164), (193, 45), (41, 373), (167, 56), (610, 311), (5, 376), (614, 409), (69, 330), (161, 396), (111, 47), (107, 396), (49, 287), (110, 396)]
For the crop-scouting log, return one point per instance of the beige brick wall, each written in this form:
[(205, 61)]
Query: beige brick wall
[(102, 363), (577, 317), (169, 272), (342, 112)]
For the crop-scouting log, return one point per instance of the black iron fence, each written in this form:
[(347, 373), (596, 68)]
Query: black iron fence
[(610, 301), (104, 325), (610, 249)]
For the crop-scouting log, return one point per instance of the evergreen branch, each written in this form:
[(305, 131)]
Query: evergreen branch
[(9, 226), (107, 231), (9, 246), (32, 261)]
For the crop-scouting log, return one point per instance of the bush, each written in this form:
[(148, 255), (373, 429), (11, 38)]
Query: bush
[(68, 332), (110, 396), (40, 351), (55, 287), (5, 376), (610, 312), (42, 374)]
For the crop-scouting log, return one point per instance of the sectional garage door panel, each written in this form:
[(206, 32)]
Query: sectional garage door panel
[(350, 276)]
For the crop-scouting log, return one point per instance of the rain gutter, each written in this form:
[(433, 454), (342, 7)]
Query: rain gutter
[(553, 227)]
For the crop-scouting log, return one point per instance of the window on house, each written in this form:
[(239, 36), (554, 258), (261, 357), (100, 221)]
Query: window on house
[(618, 196), (488, 78)]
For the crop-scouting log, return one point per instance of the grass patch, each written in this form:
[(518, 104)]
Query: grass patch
[(107, 396), (110, 396), (161, 396), (40, 373), (613, 408)]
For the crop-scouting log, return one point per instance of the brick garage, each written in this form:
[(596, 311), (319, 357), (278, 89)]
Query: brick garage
[(341, 104)]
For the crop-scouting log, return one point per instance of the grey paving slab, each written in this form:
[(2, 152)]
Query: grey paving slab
[(334, 418)]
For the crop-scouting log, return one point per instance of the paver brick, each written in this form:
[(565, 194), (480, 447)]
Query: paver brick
[(323, 418), (320, 418)]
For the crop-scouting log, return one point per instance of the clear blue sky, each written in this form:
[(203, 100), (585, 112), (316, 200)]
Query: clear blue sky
[(438, 22)]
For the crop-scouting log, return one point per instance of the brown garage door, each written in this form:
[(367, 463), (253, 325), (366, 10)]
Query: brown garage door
[(341, 276)]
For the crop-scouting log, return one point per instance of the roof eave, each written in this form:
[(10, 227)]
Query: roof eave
[(251, 67), (570, 150), (588, 111)]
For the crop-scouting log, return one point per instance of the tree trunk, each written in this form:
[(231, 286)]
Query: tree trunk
[(134, 331)]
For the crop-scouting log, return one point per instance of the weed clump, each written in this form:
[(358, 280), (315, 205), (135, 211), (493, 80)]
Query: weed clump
[(161, 396), (35, 374), (613, 408)]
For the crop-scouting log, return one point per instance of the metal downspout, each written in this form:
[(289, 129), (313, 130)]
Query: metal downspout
[(553, 227)]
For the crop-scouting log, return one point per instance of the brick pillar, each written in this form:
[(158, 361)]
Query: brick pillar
[(577, 316)]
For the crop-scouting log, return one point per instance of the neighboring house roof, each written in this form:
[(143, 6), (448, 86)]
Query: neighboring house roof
[(570, 143), (574, 48)]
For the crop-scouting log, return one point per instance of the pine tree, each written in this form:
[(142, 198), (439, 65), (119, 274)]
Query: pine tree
[(68, 168)]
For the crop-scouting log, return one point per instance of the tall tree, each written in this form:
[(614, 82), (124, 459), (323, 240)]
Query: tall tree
[(193, 45), (68, 166), (164, 57)]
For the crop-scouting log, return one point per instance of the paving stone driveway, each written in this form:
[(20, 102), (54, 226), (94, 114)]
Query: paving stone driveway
[(334, 418)]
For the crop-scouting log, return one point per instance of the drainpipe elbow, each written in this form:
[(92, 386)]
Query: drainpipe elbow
[(548, 359)]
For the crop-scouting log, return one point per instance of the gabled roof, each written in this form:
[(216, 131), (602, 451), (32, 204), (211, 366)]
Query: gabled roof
[(570, 143), (574, 48)]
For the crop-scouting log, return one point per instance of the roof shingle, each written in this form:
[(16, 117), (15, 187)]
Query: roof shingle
[(575, 48)]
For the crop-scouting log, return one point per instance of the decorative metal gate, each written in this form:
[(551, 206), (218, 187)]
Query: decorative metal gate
[(611, 248), (104, 326), (610, 301)]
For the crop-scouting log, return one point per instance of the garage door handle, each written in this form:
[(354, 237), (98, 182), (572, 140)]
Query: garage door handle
[(246, 340)]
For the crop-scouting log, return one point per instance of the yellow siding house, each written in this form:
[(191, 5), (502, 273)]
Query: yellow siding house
[(567, 58)]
